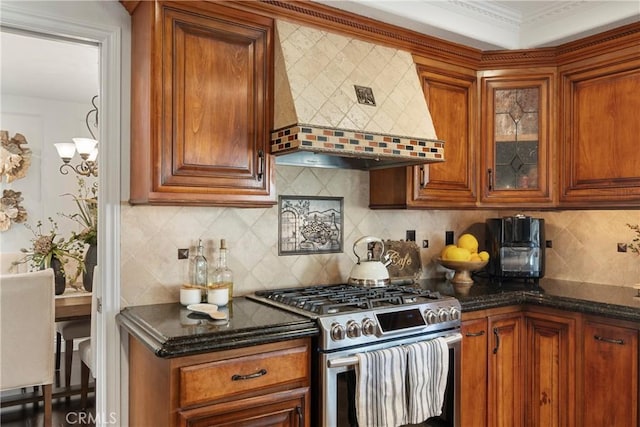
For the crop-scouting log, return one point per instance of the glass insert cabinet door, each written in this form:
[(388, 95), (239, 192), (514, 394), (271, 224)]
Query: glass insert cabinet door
[(516, 140)]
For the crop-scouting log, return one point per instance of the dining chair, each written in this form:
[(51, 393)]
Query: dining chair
[(86, 348), (69, 331), (27, 317)]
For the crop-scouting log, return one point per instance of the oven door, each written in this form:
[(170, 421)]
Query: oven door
[(337, 405)]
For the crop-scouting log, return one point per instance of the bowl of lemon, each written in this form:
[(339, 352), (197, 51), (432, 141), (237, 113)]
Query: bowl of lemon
[(463, 258)]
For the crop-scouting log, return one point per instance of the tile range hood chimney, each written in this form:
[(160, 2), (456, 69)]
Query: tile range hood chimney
[(345, 103)]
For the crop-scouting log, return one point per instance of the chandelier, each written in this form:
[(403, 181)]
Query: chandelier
[(87, 148)]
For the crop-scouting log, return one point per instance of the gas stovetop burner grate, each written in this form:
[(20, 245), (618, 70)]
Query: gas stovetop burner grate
[(345, 298)]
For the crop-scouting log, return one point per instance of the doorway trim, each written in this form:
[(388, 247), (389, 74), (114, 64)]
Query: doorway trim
[(109, 392)]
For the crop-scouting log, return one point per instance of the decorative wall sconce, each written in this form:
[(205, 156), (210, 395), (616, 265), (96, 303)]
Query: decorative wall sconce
[(87, 149)]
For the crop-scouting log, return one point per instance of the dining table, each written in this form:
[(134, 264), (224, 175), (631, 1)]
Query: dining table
[(73, 305)]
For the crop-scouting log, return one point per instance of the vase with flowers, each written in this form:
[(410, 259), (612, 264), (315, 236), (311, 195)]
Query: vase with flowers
[(86, 200), (50, 251)]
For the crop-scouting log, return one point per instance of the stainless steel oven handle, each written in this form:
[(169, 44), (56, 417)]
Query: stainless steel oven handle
[(353, 360)]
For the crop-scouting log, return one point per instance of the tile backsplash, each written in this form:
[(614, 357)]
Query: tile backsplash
[(584, 242)]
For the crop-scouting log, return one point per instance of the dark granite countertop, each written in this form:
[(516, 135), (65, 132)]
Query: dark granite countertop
[(617, 302), (170, 330)]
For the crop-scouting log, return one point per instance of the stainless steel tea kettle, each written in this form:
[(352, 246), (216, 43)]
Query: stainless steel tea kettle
[(372, 272)]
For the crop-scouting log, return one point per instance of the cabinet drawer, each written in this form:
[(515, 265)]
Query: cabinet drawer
[(233, 377)]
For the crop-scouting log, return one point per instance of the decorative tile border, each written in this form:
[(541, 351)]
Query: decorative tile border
[(354, 143)]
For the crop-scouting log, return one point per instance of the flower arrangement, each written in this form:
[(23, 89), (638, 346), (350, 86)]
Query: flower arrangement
[(47, 246), (14, 158), (87, 216), (634, 245), (11, 211)]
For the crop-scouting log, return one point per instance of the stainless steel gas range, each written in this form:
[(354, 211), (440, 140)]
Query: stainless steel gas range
[(355, 319)]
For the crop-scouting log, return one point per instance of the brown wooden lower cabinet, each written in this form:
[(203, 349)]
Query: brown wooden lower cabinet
[(473, 396), (610, 373), (505, 372), (266, 384), (492, 374), (543, 367), (550, 368)]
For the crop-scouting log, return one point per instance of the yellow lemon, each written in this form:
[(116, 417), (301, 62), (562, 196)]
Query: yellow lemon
[(484, 255), (443, 253), (458, 254), (475, 258), (468, 241)]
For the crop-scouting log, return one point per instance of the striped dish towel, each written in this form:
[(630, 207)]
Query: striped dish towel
[(381, 388), (427, 369)]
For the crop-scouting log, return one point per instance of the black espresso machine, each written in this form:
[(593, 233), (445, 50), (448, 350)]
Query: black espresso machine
[(516, 247)]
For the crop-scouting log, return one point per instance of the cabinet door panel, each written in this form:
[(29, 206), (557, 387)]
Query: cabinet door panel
[(600, 127), (208, 100), (211, 118), (269, 410), (201, 105), (451, 101), (505, 371), (473, 379), (550, 371), (610, 375), (518, 138)]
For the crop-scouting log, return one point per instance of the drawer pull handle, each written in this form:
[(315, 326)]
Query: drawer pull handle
[(238, 377), (609, 340), (260, 164), (475, 334), (497, 335)]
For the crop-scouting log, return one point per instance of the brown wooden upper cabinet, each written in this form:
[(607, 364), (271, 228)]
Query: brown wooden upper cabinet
[(517, 137), (600, 131), (549, 128), (201, 86)]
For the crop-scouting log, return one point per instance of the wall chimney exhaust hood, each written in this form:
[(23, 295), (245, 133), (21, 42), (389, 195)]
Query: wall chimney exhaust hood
[(343, 102)]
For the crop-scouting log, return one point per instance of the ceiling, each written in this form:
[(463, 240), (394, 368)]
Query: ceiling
[(35, 66), (59, 69), (492, 24)]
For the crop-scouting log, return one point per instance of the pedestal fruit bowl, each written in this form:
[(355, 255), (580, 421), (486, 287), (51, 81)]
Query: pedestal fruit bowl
[(461, 280)]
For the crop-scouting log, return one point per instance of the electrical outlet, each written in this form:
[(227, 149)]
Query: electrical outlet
[(425, 244), (411, 235), (183, 253), (622, 247), (448, 238)]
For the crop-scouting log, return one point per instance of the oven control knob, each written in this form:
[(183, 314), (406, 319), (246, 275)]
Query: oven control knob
[(368, 326), (431, 316), (443, 315), (353, 329), (454, 313), (337, 332)]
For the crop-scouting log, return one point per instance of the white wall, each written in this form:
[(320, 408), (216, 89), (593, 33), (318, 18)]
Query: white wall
[(43, 122)]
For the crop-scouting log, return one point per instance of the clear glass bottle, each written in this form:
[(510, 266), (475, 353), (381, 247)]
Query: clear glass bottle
[(223, 275), (200, 267)]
